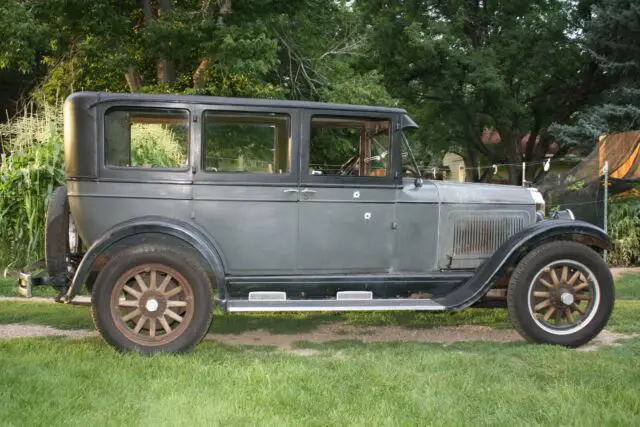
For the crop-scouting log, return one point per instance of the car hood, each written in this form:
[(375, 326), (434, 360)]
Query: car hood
[(463, 192)]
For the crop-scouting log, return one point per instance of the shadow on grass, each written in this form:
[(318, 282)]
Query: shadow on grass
[(625, 318), (292, 323), (74, 317)]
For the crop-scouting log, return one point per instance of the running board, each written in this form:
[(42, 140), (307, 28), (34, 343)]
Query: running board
[(333, 305)]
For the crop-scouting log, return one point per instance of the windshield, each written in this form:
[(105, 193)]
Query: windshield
[(409, 165)]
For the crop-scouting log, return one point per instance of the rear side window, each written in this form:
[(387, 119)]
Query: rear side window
[(146, 138), (246, 142)]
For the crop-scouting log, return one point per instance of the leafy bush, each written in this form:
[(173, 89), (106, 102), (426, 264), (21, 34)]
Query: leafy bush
[(158, 146), (624, 229), (32, 166)]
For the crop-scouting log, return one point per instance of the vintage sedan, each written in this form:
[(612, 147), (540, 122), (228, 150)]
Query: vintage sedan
[(174, 203)]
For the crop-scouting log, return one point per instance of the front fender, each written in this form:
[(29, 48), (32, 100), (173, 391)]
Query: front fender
[(191, 234), (511, 251)]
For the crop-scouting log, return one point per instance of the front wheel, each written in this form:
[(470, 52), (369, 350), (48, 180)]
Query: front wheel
[(153, 298), (561, 293)]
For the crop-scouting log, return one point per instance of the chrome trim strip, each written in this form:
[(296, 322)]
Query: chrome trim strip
[(333, 305)]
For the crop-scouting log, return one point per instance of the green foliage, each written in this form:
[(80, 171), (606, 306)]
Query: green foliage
[(158, 146), (624, 229), (461, 67), (21, 34), (28, 175), (611, 40)]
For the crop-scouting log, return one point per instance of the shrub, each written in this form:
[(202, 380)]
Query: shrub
[(624, 229)]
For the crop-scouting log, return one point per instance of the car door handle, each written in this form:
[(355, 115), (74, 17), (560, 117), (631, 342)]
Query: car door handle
[(307, 190), (290, 190)]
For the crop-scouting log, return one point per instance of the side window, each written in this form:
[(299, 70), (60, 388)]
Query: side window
[(146, 138), (343, 146), (246, 142)]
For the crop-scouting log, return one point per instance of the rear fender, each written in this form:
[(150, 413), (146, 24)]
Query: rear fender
[(514, 248), (189, 233)]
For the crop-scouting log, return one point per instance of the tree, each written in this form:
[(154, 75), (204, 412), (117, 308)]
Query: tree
[(515, 66), (260, 48), (611, 40)]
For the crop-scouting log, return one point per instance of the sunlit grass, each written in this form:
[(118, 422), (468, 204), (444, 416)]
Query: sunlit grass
[(69, 382)]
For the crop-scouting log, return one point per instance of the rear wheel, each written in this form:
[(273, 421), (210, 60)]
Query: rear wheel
[(153, 298), (561, 293)]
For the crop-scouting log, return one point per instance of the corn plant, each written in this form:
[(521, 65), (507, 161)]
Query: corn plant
[(32, 166)]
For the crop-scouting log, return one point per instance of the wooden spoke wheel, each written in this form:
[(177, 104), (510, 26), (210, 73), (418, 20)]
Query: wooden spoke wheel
[(152, 304), (560, 293), (563, 296)]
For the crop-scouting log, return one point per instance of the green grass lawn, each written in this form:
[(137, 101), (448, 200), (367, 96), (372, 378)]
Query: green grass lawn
[(56, 381), (628, 286), (64, 382)]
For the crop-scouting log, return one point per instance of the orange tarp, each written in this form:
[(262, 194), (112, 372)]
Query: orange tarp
[(614, 148)]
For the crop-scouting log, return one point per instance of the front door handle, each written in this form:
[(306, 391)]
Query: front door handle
[(290, 190), (307, 191)]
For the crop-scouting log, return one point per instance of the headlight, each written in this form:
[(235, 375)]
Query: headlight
[(564, 214), (538, 200)]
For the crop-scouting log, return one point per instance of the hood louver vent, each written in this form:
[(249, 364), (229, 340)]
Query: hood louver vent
[(482, 234)]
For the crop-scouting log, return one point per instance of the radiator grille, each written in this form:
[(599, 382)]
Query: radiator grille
[(483, 234)]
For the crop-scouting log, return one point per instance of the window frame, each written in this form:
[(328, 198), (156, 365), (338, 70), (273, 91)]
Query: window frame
[(253, 178), (138, 174), (391, 179), (206, 116)]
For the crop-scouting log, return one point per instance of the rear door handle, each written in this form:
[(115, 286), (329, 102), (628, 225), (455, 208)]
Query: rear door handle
[(290, 190), (307, 190)]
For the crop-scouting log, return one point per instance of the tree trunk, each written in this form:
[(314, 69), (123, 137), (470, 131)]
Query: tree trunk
[(471, 173), (165, 68), (225, 9), (133, 79), (199, 76), (146, 10), (513, 147)]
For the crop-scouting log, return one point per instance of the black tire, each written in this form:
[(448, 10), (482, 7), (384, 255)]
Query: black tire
[(535, 324), (119, 333)]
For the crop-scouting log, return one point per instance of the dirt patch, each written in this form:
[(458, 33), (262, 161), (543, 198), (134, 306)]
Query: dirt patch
[(607, 339), (342, 332), (17, 330), (335, 332), (617, 272)]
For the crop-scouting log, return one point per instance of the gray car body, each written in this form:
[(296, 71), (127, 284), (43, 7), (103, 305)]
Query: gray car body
[(274, 232)]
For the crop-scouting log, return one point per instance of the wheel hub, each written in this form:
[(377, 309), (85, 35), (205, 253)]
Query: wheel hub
[(567, 298), (152, 304)]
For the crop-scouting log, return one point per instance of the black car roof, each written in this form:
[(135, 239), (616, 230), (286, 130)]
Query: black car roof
[(105, 97)]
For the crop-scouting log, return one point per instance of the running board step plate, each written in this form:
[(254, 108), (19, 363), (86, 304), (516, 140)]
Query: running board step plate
[(267, 296), (334, 305), (354, 295)]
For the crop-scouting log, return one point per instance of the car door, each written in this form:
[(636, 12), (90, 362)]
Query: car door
[(347, 192), (246, 187)]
